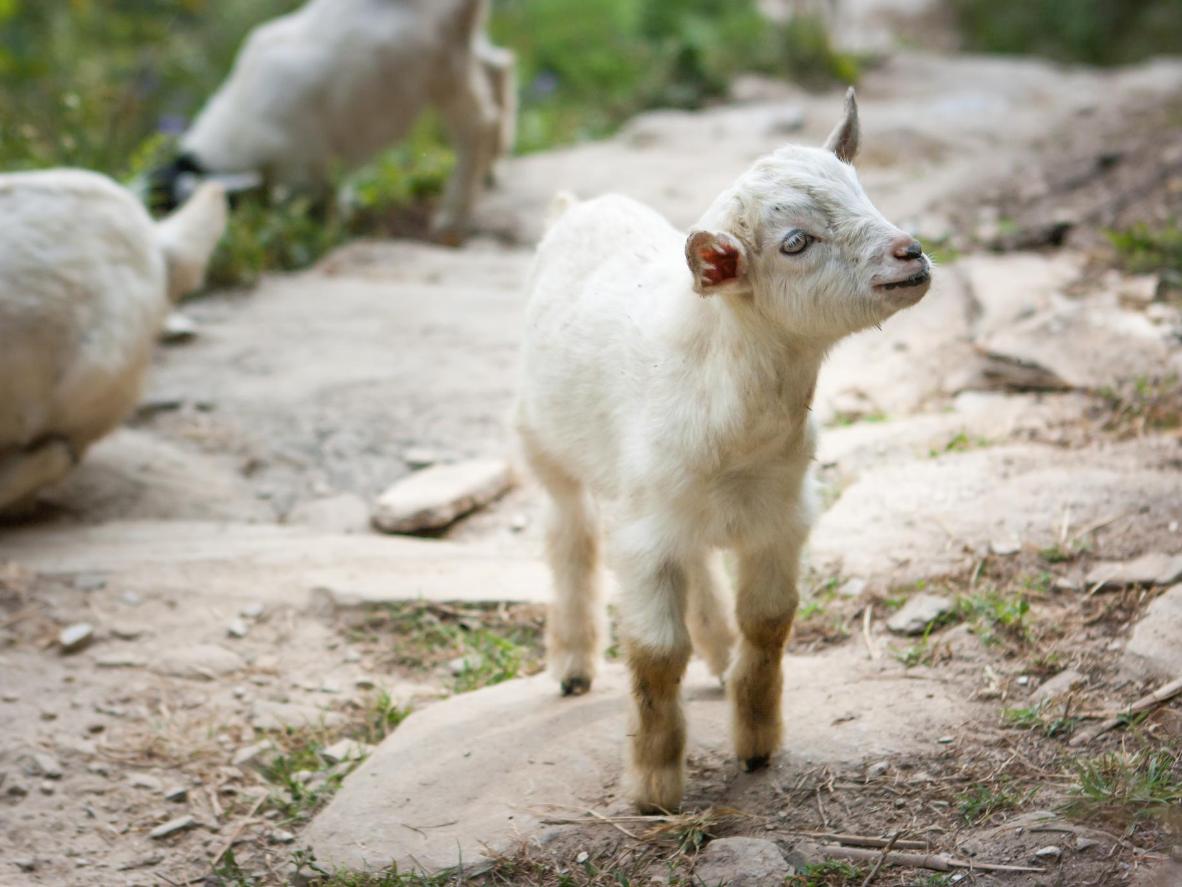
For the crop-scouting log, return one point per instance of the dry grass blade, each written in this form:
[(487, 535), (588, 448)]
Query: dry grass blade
[(1162, 694), (936, 862)]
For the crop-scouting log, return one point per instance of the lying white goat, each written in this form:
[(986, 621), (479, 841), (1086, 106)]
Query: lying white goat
[(86, 278), (667, 380), (334, 82)]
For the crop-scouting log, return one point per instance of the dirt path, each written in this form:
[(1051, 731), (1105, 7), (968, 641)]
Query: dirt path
[(219, 546)]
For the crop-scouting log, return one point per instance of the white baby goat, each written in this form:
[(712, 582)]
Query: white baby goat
[(86, 278), (334, 82), (669, 379)]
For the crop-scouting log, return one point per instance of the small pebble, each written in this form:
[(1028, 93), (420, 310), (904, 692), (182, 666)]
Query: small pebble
[(518, 523), (946, 740), (46, 765), (75, 637), (47, 787), (172, 827), (876, 770), (176, 793), (582, 857), (10, 697), (252, 610), (146, 781), (25, 863), (1048, 852), (237, 629), (279, 836)]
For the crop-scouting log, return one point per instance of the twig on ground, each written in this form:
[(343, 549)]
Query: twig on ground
[(936, 862), (1157, 697), (867, 841), (871, 647), (238, 829), (883, 854)]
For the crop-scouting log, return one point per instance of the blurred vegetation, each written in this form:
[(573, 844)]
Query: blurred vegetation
[(1098, 32), (109, 86)]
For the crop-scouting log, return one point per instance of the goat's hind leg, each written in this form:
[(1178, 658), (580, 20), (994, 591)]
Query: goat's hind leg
[(575, 625), (473, 120), (711, 619), (24, 472)]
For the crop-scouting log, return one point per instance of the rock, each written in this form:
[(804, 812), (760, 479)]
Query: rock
[(252, 611), (346, 750), (120, 660), (237, 629), (920, 611), (172, 827), (1009, 287), (486, 764), (176, 793), (1138, 290), (341, 513), (1154, 568), (268, 715), (126, 631), (16, 789), (255, 755), (1153, 649), (435, 497), (46, 765), (200, 661), (1059, 685), (1048, 852), (1085, 843), (75, 637), (1005, 547), (876, 770), (177, 328), (279, 836), (417, 458), (47, 787), (25, 863), (852, 588), (740, 862), (145, 781)]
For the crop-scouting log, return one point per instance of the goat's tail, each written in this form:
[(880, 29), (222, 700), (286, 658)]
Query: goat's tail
[(188, 237), (559, 204)]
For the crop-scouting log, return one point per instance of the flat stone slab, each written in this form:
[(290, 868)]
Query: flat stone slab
[(277, 564), (1154, 568), (938, 516), (476, 773), (435, 497), (1154, 649)]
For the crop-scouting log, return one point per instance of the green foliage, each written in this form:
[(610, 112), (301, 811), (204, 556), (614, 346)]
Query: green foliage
[(981, 801), (831, 873), (1124, 786), (108, 86), (1103, 32), (995, 614), (1036, 718), (1146, 250)]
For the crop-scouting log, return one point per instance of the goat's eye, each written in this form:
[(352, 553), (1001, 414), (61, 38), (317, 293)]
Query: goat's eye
[(796, 242)]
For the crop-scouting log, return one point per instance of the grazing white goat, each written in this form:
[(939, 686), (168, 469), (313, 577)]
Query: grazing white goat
[(666, 389), (86, 278), (334, 82)]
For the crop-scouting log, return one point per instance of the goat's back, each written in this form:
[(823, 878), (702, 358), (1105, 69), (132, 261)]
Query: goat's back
[(82, 294)]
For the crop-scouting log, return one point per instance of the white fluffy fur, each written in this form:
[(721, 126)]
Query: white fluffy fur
[(670, 403), (334, 82), (86, 278)]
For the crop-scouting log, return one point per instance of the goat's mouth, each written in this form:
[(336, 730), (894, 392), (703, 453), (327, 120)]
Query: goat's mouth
[(919, 278)]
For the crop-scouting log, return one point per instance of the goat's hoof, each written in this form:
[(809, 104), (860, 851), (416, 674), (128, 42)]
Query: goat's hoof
[(576, 686), (758, 762)]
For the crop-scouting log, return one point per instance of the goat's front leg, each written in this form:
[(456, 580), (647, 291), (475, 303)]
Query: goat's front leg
[(657, 645), (766, 605), (25, 472)]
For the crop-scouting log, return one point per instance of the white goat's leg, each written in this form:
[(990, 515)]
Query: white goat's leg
[(500, 67), (711, 619), (473, 122), (766, 605), (576, 622), (23, 473), (657, 645)]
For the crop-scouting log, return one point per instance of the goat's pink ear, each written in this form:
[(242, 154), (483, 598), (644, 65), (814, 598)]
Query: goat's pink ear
[(843, 141), (718, 262)]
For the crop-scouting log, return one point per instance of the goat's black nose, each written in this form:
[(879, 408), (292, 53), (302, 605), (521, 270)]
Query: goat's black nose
[(912, 249)]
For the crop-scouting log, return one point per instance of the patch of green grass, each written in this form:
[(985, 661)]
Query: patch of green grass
[(1036, 718), (493, 643), (1143, 404), (995, 615), (1056, 554), (959, 443), (382, 717), (1105, 32), (1126, 786), (940, 250), (1146, 250), (309, 871), (831, 873), (981, 801), (301, 779)]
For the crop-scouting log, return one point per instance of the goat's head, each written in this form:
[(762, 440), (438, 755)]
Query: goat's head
[(798, 237)]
